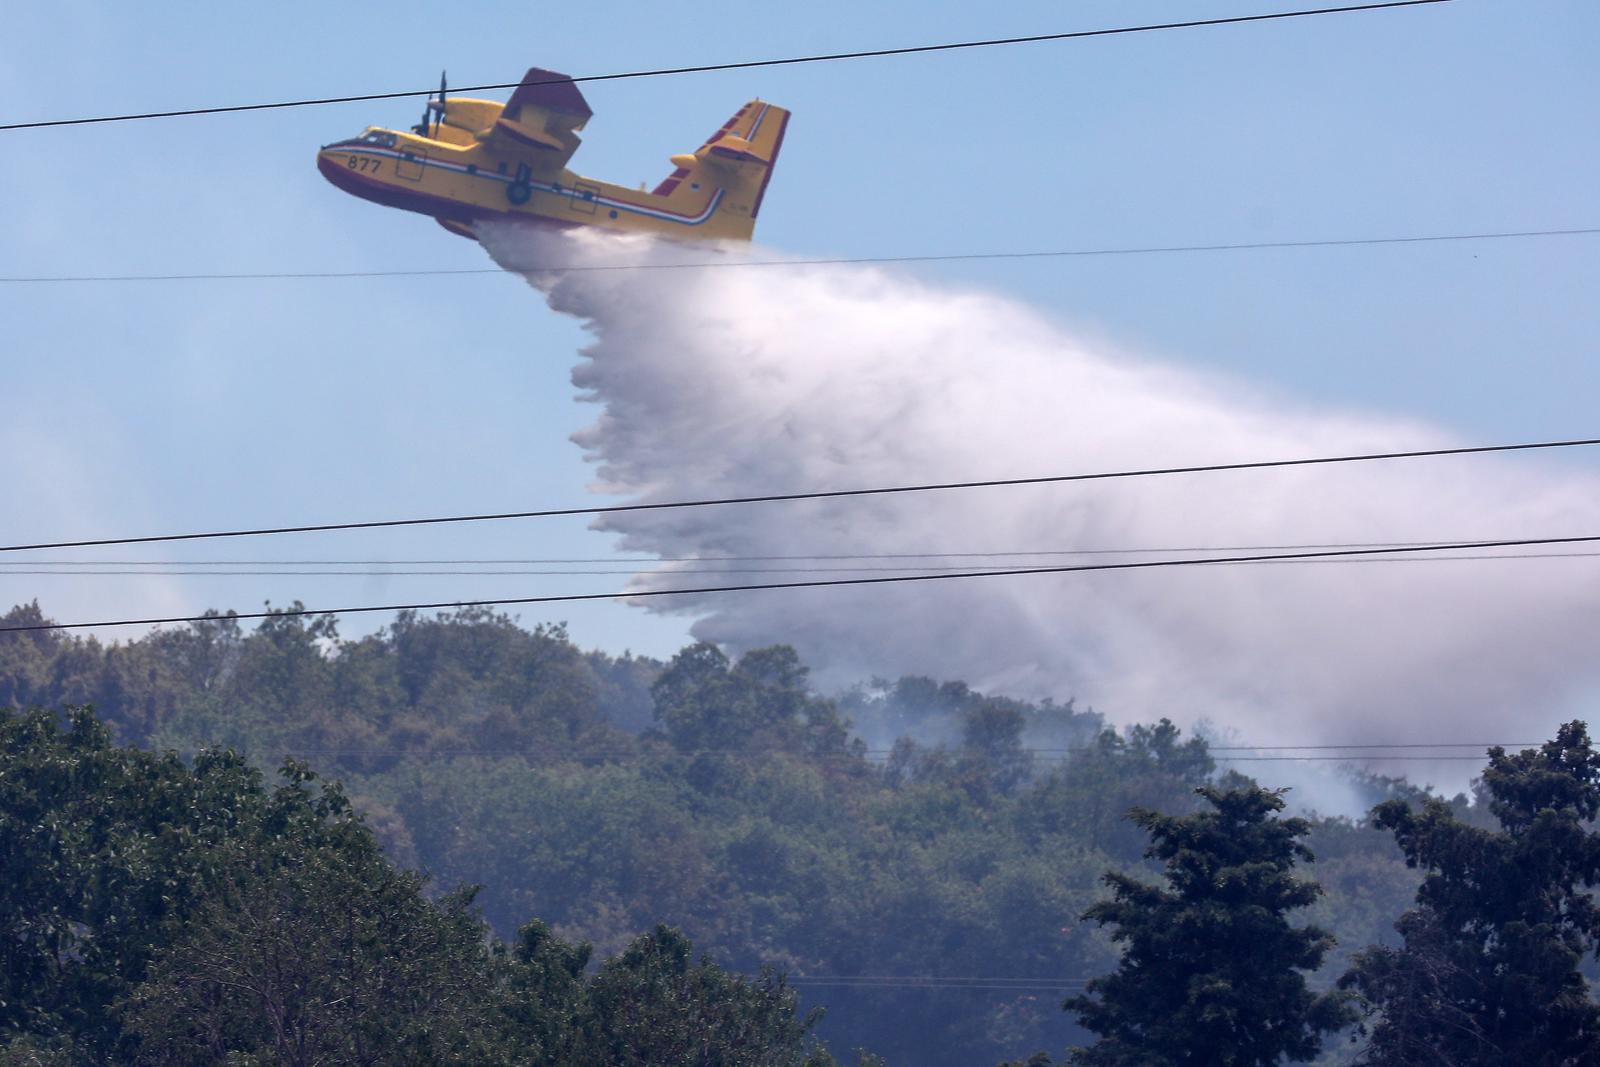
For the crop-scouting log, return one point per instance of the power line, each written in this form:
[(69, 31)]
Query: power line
[(461, 562), (156, 571), (377, 572), (1379, 751), (508, 753), (1374, 745), (829, 494), (878, 758), (925, 978), (1001, 985), (833, 261), (744, 65), (1346, 759), (1020, 985), (570, 598), (970, 987)]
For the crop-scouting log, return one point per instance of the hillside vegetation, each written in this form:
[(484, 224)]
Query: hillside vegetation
[(724, 798)]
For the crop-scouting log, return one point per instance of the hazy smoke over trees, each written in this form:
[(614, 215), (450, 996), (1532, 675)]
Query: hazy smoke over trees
[(730, 381)]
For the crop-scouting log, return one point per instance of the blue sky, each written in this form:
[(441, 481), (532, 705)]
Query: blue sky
[(166, 407)]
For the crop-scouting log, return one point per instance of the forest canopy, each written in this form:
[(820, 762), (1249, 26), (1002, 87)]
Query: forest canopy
[(875, 846)]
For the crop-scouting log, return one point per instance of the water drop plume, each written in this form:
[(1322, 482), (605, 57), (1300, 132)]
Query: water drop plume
[(734, 380)]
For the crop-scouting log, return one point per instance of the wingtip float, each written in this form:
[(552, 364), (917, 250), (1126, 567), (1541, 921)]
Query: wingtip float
[(473, 160)]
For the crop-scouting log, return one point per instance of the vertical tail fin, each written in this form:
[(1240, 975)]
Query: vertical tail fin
[(737, 159)]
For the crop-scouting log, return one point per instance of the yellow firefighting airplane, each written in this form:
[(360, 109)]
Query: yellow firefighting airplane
[(471, 160)]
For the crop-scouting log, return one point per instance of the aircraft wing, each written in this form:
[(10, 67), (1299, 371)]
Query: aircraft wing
[(541, 120)]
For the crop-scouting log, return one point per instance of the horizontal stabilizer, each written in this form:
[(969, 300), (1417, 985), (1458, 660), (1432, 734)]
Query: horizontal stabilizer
[(735, 149), (753, 135)]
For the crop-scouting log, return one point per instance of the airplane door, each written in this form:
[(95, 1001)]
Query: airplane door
[(411, 163), (583, 198)]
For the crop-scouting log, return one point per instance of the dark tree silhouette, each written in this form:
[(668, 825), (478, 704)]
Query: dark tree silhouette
[(1212, 971), (1488, 973)]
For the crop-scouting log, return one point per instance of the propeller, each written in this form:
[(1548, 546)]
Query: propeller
[(430, 108), (438, 121)]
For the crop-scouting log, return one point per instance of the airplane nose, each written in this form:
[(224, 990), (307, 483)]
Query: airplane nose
[(334, 171), (337, 165)]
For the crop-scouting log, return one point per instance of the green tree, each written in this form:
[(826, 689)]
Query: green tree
[(1212, 971), (544, 993), (1148, 766), (101, 848), (310, 948), (706, 702), (183, 914), (653, 1007), (28, 660), (1488, 973), (992, 743)]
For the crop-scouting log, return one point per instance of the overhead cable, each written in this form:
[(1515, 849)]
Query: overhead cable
[(742, 65), (571, 598), (1250, 246), (381, 572), (616, 749), (551, 560), (603, 756), (880, 759), (1019, 985), (827, 494)]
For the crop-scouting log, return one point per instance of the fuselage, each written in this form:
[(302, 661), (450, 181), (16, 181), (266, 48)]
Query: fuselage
[(459, 179)]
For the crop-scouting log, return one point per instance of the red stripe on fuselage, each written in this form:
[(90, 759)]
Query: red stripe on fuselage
[(380, 192), (442, 207)]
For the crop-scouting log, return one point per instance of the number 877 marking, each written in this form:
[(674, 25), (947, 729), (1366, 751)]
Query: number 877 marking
[(363, 163)]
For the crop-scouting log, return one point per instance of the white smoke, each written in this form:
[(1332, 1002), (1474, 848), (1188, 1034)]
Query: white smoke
[(731, 380)]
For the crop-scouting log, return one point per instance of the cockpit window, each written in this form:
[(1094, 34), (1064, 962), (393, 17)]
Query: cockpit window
[(377, 137)]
